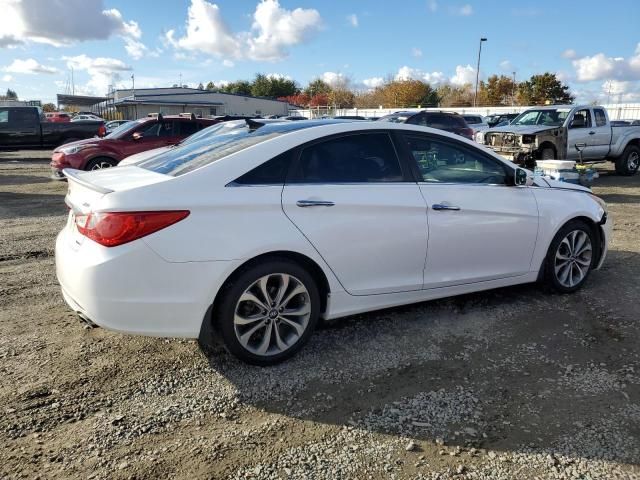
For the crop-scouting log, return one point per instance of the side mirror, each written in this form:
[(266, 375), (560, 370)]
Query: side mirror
[(137, 135), (522, 178)]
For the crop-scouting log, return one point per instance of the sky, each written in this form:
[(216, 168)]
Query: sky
[(592, 46)]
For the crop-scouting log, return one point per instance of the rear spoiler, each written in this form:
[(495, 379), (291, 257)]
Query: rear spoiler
[(74, 174)]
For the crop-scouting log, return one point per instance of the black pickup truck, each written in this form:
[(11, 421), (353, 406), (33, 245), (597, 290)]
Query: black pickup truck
[(22, 127)]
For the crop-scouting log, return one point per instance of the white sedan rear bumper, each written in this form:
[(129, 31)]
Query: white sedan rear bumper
[(131, 289)]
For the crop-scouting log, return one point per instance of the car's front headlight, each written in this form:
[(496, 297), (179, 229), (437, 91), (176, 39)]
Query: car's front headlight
[(479, 136), (600, 202), (72, 149)]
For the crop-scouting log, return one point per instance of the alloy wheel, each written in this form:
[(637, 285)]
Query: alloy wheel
[(573, 258), (272, 314), (101, 165), (633, 161)]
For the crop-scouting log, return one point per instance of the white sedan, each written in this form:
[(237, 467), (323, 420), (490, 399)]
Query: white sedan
[(259, 233)]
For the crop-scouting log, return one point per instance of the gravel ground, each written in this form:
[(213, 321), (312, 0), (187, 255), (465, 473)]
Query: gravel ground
[(513, 383)]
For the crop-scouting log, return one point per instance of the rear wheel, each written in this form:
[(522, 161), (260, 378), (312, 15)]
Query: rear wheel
[(547, 153), (269, 312), (100, 163), (629, 161), (570, 257)]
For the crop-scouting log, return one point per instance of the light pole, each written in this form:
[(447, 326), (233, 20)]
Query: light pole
[(513, 94), (475, 96)]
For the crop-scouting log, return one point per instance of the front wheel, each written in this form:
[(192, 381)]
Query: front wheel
[(627, 164), (570, 257), (269, 312), (100, 163)]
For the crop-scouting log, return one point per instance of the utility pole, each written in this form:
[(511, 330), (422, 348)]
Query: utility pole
[(73, 85), (513, 95), (475, 96), (133, 85)]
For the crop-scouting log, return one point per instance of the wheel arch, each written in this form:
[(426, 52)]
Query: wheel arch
[(304, 261), (547, 144), (100, 155)]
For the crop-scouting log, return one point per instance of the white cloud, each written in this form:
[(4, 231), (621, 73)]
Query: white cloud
[(373, 82), (7, 78), (416, 52), (64, 22), (273, 32), (29, 66), (464, 10), (432, 5), (408, 73), (353, 20), (621, 91), (569, 53), (134, 48), (228, 63), (507, 66), (333, 78), (601, 67), (435, 78), (464, 75), (102, 71)]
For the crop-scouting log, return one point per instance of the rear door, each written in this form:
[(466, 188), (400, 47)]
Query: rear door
[(356, 204), (480, 228), (600, 134)]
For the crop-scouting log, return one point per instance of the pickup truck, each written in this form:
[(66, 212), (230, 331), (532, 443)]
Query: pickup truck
[(567, 132), (22, 127)]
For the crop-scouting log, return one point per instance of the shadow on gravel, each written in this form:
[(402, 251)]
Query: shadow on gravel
[(514, 369), (17, 205), (620, 198), (23, 179)]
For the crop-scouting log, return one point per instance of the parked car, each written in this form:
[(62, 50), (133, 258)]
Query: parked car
[(80, 118), (216, 129), (567, 132), (349, 117), (496, 118), (128, 139), (476, 122), (447, 121), (257, 234), (25, 127), (57, 117), (113, 124)]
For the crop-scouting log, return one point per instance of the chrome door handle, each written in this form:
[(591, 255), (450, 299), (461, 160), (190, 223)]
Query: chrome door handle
[(314, 203), (592, 133), (440, 206)]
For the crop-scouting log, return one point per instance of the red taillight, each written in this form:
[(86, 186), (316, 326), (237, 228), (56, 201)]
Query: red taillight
[(467, 132), (115, 228), (102, 131)]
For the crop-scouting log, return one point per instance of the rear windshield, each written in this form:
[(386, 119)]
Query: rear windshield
[(191, 155), (396, 117), (472, 120)]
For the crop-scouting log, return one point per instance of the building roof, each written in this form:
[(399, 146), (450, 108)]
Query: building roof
[(143, 92), (79, 100), (153, 101)]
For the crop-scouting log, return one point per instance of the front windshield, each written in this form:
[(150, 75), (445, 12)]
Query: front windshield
[(546, 117), (122, 129)]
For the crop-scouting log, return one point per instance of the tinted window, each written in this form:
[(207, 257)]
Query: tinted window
[(442, 161), (444, 121), (210, 148), (150, 129), (472, 119), (360, 158), (272, 172), (4, 116), (23, 117), (188, 128), (601, 118)]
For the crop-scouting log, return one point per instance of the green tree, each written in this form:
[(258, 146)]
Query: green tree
[(317, 87), (240, 87), (210, 86), (272, 86), (48, 107), (11, 94), (200, 86), (544, 89)]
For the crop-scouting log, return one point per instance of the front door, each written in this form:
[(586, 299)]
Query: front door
[(480, 228), (581, 132), (351, 199)]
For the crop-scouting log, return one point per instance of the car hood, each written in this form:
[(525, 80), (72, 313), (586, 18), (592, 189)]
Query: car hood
[(521, 129), (548, 183), (86, 141)]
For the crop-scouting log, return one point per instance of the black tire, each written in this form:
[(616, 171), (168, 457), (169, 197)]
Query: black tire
[(551, 278), (224, 314), (627, 164), (99, 163), (548, 153)]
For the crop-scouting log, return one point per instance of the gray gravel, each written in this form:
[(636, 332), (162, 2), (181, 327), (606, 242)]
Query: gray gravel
[(508, 384)]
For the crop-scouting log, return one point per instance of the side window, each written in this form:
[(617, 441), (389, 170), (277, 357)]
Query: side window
[(271, 172), (150, 130), (446, 162), (581, 119), (188, 128), (359, 158), (437, 120), (167, 128), (601, 118), (23, 117), (4, 117)]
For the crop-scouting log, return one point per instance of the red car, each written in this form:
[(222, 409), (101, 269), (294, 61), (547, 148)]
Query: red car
[(57, 117), (128, 139)]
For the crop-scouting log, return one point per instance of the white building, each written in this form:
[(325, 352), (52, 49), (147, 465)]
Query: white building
[(132, 104)]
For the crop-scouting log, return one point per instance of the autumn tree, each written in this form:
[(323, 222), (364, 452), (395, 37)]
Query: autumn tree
[(408, 93), (317, 87), (456, 96), (498, 90), (544, 89), (301, 99), (48, 107)]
